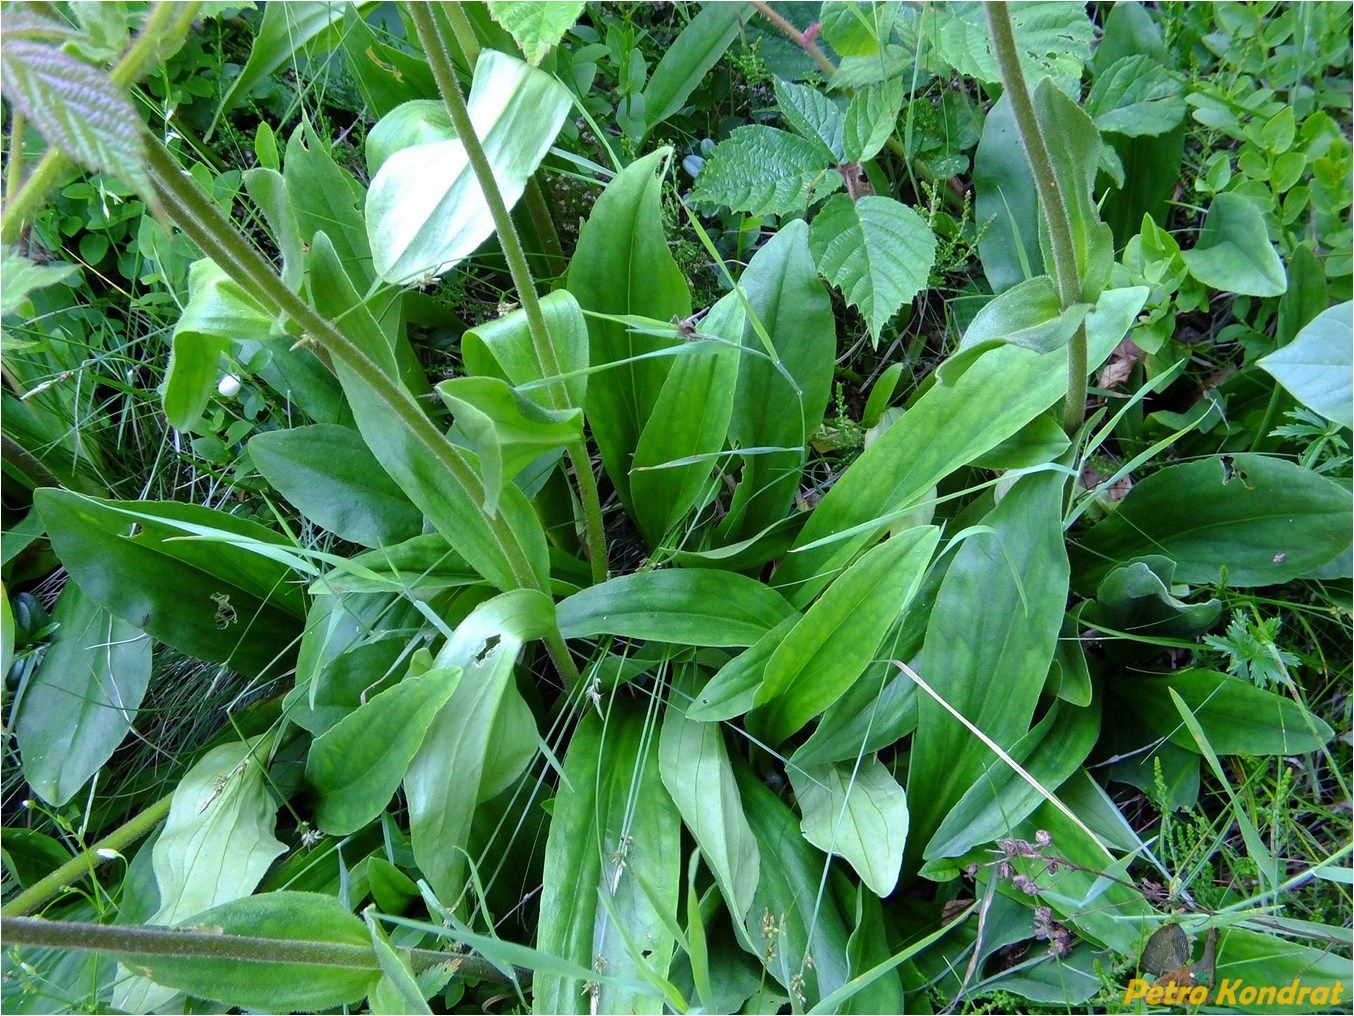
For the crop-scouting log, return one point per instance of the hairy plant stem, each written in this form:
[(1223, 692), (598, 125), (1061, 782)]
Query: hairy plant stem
[(84, 863), (436, 48), (792, 33), (14, 172), (131, 941), (205, 225), (1051, 201), (167, 22)]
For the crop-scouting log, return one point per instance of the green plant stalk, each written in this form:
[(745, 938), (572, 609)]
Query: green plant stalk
[(167, 21), (1051, 201), (131, 941), (205, 225), (84, 863), (14, 172), (435, 47)]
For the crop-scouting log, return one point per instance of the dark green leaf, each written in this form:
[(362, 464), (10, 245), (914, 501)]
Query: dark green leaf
[(686, 62)]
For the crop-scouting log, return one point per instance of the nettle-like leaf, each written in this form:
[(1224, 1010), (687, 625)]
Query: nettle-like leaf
[(764, 171), (813, 114), (1135, 97), (1233, 253), (425, 211), (77, 108), (24, 276), (536, 25), (871, 118), (1315, 366), (876, 251)]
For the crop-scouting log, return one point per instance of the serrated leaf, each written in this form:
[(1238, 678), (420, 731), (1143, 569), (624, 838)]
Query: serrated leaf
[(764, 171), (856, 29), (23, 276), (77, 108), (815, 116), (876, 251), (1233, 253), (1315, 367), (536, 25), (857, 814), (870, 120), (1135, 97)]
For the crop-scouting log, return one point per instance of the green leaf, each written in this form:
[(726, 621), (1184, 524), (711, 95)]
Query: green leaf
[(344, 682), (536, 26), (991, 664), (216, 846), (877, 711), (1051, 38), (397, 977), (385, 76), (857, 813), (357, 764), (412, 123), (453, 510), (24, 276), (1136, 598), (1136, 96), (696, 607), (1315, 367), (1256, 519), (328, 199), (77, 108), (267, 188), (485, 734), (694, 764), (947, 426), (286, 30), (871, 119), (1006, 206), (833, 643), (30, 855), (857, 29), (1233, 253), (271, 987), (80, 703), (780, 408), (764, 171), (1028, 314), (1307, 294), (697, 48), (733, 689), (690, 421), (503, 348), (425, 211), (622, 265), (336, 483), (1237, 718), (876, 251), (614, 825), (507, 430), (208, 599), (816, 116)]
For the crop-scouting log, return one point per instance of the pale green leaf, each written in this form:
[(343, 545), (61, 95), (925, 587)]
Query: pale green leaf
[(24, 276), (536, 25), (858, 814), (1233, 253), (1136, 96), (1315, 367)]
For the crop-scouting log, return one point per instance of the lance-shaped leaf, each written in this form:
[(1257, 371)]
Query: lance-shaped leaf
[(336, 483), (1136, 96), (536, 25), (876, 251), (989, 664), (838, 637), (1233, 253), (858, 814), (694, 764), (1028, 314), (764, 171), (503, 348), (614, 834), (696, 49), (79, 704), (206, 598), (425, 210), (77, 108), (733, 689), (1316, 366), (216, 846), (358, 763), (622, 265), (686, 606), (507, 430)]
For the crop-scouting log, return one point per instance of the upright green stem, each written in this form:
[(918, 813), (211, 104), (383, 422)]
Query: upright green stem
[(1051, 201), (14, 171), (167, 22), (84, 863), (435, 47), (133, 940)]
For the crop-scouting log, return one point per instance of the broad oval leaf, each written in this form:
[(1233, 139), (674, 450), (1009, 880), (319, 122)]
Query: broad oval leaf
[(833, 643), (425, 210), (79, 704), (331, 477), (815, 115), (1315, 367), (1260, 520), (876, 251), (1233, 253), (358, 763), (1028, 314), (417, 122), (857, 813), (503, 348), (536, 25), (686, 606)]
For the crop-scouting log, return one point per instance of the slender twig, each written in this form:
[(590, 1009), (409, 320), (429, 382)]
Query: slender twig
[(168, 20), (149, 940), (1051, 201), (84, 863), (436, 48)]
